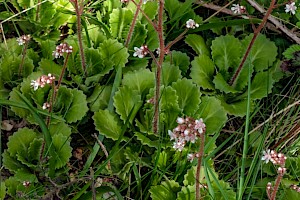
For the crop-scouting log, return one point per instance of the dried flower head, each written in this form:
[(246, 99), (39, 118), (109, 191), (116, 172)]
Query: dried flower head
[(61, 49), (23, 39), (191, 24)]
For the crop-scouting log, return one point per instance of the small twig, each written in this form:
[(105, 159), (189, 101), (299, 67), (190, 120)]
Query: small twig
[(103, 149), (277, 23), (144, 14)]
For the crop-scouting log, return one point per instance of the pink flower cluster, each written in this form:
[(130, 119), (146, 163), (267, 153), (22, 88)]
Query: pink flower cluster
[(23, 39), (140, 52), (295, 187), (188, 130), (42, 81), (274, 157), (61, 49)]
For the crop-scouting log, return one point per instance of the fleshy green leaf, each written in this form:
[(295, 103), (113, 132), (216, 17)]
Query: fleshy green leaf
[(47, 11), (226, 52), (242, 80), (107, 124), (10, 162), (93, 61), (63, 150), (262, 85), (23, 175), (21, 112), (48, 66), (179, 59), (100, 97), (146, 141), (289, 52), (113, 54), (222, 85), (263, 52), (202, 72), (152, 38), (213, 114), (138, 37), (187, 193), (170, 74), (47, 48), (119, 19), (141, 80), (19, 142), (188, 96), (35, 149), (78, 107), (198, 44), (60, 128), (63, 100), (166, 191), (125, 100), (238, 108)]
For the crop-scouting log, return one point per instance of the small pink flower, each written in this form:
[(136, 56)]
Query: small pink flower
[(23, 39), (237, 9), (267, 156), (291, 8), (61, 49), (140, 52), (191, 24)]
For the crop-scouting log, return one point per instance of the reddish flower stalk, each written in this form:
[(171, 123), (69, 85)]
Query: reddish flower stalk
[(158, 70), (256, 32), (79, 11), (133, 23), (23, 40), (200, 154)]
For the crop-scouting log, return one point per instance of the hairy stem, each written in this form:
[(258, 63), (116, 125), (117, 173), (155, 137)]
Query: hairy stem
[(170, 44), (200, 156), (79, 10), (23, 59), (256, 32), (158, 70), (144, 14), (276, 186), (133, 23)]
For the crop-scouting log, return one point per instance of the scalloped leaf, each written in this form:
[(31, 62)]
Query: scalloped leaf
[(9, 66), (63, 100), (107, 124), (20, 141), (47, 12), (138, 37), (100, 97), (166, 191), (170, 74), (187, 193), (60, 128), (147, 141), (151, 10), (113, 54), (47, 48), (93, 61), (96, 35), (242, 80), (12, 44), (152, 40), (169, 106), (78, 107), (49, 66), (289, 52), (261, 85), (179, 59), (188, 96), (226, 52), (213, 114), (263, 52), (21, 112), (198, 44), (63, 150), (24, 175), (125, 100), (11, 163), (202, 72), (35, 149), (118, 19), (141, 80), (238, 108), (222, 85)]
